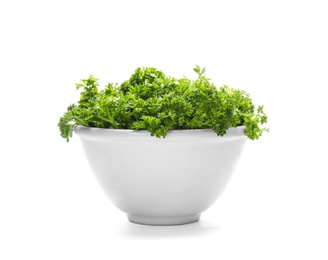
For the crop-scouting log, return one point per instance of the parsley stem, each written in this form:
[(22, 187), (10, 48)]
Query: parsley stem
[(111, 121), (188, 89)]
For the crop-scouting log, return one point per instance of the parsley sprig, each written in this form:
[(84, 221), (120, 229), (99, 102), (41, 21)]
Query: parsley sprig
[(150, 100)]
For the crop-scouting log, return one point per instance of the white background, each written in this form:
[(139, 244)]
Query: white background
[(276, 205)]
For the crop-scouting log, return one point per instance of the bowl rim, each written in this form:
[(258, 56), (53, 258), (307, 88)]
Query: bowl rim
[(124, 133)]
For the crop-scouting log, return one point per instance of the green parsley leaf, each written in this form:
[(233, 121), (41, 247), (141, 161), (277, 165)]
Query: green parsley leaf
[(150, 100)]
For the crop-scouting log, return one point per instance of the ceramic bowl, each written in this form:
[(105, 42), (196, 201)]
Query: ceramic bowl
[(167, 181)]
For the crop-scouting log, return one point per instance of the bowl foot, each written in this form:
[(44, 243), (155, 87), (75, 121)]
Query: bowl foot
[(163, 221)]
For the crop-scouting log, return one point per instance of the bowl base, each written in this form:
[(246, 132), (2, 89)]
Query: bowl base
[(163, 221)]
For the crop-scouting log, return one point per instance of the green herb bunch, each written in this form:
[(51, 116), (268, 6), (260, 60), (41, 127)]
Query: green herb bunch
[(152, 101)]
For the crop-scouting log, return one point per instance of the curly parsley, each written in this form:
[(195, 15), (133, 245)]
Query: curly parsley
[(150, 100)]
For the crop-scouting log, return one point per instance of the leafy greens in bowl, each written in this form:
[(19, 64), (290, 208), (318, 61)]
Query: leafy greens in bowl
[(150, 100)]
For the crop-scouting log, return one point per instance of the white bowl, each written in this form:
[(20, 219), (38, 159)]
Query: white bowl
[(167, 181)]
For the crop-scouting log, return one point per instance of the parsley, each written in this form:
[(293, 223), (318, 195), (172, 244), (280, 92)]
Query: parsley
[(150, 100)]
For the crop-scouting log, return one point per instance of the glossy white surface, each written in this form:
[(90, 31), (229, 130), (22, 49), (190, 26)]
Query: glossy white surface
[(166, 181)]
